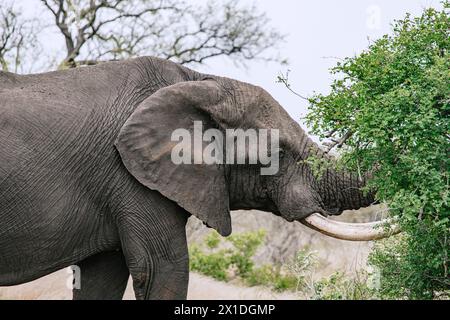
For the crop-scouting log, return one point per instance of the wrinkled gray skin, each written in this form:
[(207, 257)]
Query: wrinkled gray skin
[(86, 176)]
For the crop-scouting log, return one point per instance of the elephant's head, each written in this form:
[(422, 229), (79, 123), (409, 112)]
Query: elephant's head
[(210, 190)]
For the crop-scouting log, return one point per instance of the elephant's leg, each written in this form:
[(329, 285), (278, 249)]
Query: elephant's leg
[(155, 248), (103, 276)]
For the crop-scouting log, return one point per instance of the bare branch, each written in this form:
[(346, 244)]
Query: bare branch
[(17, 37), (170, 29), (337, 143), (330, 133), (284, 79)]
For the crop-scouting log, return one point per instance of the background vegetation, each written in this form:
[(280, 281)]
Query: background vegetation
[(232, 258), (388, 110)]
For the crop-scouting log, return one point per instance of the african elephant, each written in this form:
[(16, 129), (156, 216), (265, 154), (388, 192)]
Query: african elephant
[(86, 175)]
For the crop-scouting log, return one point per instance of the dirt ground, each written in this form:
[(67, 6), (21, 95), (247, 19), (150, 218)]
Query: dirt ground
[(53, 287)]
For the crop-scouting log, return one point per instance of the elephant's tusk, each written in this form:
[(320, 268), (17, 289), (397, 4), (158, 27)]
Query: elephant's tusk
[(352, 231)]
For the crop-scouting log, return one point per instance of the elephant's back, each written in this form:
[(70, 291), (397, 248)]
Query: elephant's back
[(33, 115), (41, 109), (46, 122), (59, 118)]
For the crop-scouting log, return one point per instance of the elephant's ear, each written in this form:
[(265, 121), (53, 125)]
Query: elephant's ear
[(145, 146)]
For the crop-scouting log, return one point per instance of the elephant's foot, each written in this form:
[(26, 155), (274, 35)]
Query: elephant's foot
[(162, 280), (104, 276)]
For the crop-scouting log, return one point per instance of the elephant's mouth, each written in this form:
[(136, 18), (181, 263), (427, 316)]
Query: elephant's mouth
[(334, 211)]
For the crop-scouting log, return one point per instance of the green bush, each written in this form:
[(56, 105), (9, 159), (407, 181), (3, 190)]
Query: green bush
[(224, 258), (236, 256), (285, 282), (261, 276), (245, 245), (392, 103), (271, 276), (412, 268), (213, 264), (212, 240), (340, 287)]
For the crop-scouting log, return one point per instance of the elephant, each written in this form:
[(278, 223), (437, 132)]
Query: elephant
[(86, 176)]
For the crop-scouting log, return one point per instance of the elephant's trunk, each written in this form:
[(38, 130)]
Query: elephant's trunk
[(344, 190), (354, 197), (341, 190), (347, 187)]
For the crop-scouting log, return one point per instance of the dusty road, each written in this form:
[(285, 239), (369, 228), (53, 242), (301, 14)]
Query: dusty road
[(53, 287)]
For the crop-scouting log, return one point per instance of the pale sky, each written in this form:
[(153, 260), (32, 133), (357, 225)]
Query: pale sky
[(317, 32)]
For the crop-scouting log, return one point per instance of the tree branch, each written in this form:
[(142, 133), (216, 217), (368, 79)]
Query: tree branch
[(171, 29), (338, 143), (17, 35)]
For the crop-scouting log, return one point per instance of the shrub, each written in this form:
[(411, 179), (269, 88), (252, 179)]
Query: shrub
[(219, 260), (212, 240), (212, 264), (236, 254), (340, 287), (391, 104), (245, 245)]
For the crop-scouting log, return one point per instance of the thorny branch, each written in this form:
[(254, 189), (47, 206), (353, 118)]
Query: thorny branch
[(335, 142)]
